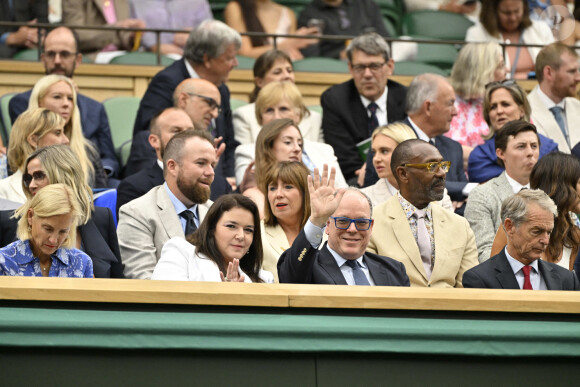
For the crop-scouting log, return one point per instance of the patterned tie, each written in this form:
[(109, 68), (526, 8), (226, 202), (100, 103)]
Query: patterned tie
[(306, 160), (423, 241), (373, 120), (189, 222), (359, 276), (527, 283), (557, 112)]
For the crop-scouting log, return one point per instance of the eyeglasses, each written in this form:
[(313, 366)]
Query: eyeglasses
[(38, 176), (361, 224), (432, 167), (507, 82), (361, 68), (210, 101), (64, 55)]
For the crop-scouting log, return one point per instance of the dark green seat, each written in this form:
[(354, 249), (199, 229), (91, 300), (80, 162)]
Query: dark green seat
[(141, 58), (321, 65), (6, 123), (245, 62), (436, 25), (416, 68), (440, 55)]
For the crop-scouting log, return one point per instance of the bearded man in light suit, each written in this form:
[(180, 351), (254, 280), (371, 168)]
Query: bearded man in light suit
[(146, 223), (437, 249)]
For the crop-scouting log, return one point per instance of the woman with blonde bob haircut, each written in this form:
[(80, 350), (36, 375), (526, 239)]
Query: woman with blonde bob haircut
[(57, 93), (36, 127), (286, 210), (384, 141), (274, 93), (46, 233)]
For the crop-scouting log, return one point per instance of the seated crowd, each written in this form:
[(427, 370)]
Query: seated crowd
[(443, 183)]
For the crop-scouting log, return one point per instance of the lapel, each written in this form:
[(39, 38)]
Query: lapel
[(572, 114), (169, 219), (376, 271), (358, 113), (395, 104), (550, 276), (155, 175), (502, 186), (443, 239), (202, 210), (404, 236), (503, 272), (545, 121), (328, 264), (408, 123), (277, 239), (94, 243)]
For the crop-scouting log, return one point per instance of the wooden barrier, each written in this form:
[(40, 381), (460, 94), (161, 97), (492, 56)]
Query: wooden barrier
[(104, 81)]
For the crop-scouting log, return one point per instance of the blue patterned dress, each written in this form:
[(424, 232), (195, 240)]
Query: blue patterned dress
[(17, 259)]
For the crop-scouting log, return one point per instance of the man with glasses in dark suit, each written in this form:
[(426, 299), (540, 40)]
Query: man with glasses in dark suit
[(345, 215)]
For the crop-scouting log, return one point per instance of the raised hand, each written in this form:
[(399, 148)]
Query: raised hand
[(233, 273), (324, 198)]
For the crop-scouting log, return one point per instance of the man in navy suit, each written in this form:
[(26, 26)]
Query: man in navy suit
[(210, 54), (163, 127), (60, 56), (528, 220), (343, 260), (347, 117), (430, 109)]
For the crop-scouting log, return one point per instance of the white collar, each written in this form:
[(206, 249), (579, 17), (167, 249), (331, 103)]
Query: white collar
[(420, 134), (547, 101), (381, 101), (516, 187)]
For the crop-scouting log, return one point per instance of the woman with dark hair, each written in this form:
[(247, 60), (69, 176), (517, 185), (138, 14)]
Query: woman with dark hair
[(286, 210), (269, 17), (502, 102), (508, 21), (564, 189), (273, 66), (226, 247)]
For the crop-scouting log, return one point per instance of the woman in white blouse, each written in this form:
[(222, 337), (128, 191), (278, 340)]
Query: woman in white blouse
[(226, 247)]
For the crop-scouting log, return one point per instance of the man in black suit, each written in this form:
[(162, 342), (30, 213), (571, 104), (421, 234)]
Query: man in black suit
[(352, 110), (13, 39), (60, 56), (528, 220), (163, 127), (210, 54), (430, 109), (343, 260)]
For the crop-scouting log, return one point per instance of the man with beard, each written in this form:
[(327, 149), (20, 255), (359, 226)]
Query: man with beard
[(174, 209), (553, 102), (518, 148), (435, 245), (528, 220), (60, 56)]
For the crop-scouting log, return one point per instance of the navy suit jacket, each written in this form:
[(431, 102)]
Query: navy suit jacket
[(140, 183), (303, 264), (93, 120), (451, 150), (345, 120), (99, 241), (159, 95), (496, 273)]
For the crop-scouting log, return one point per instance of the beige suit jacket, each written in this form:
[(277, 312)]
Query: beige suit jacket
[(90, 13), (274, 243), (546, 123), (145, 224), (455, 249)]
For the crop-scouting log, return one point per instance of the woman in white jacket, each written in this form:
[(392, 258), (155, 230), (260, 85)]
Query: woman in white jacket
[(227, 247)]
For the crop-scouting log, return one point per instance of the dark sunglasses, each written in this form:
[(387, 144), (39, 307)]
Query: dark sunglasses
[(38, 176), (507, 82)]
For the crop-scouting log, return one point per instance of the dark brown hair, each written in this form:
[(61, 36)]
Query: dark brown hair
[(263, 64), (204, 238), (490, 20), (512, 128), (253, 24)]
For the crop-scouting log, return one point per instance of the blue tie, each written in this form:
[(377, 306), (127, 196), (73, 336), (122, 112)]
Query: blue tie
[(190, 225), (373, 120), (359, 276), (306, 160), (557, 112)]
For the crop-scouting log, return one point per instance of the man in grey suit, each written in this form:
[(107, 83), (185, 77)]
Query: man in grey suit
[(518, 148), (528, 220), (173, 209), (555, 107)]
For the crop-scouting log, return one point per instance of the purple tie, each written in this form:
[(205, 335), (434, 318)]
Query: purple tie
[(423, 241)]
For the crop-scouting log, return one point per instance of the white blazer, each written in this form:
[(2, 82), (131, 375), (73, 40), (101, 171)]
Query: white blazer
[(180, 262), (537, 33), (11, 188), (318, 152), (246, 127)]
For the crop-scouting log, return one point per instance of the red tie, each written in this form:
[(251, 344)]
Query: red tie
[(527, 284)]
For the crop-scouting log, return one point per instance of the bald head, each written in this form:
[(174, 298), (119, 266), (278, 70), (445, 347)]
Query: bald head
[(59, 55), (200, 99), (164, 126)]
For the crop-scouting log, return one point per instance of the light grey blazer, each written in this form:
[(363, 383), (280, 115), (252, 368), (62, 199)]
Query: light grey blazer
[(483, 212), (145, 224), (546, 123)]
